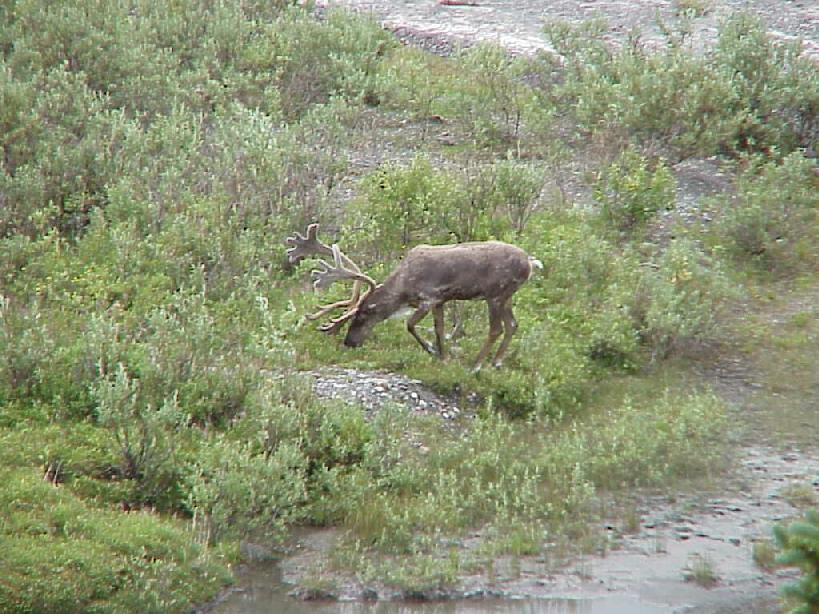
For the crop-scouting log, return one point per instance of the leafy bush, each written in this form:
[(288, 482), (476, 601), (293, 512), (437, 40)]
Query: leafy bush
[(501, 199), (492, 77), (286, 411), (748, 94), (800, 543), (322, 60), (233, 488), (679, 299), (483, 96), (582, 295), (672, 97), (769, 221), (630, 192), (43, 361), (141, 432), (775, 85), (61, 554), (404, 204)]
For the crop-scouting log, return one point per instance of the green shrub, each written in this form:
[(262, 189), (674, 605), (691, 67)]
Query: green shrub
[(771, 218), (775, 85), (321, 60), (56, 172), (489, 95), (670, 96), (501, 199), (800, 543), (482, 95), (679, 299), (43, 359), (233, 489), (748, 94), (142, 434), (59, 553), (405, 205), (630, 191)]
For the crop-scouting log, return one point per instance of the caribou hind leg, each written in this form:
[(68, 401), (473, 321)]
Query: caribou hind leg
[(510, 325), (495, 330)]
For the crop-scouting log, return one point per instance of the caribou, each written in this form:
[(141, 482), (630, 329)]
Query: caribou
[(426, 279)]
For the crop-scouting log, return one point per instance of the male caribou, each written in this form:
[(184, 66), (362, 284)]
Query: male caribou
[(427, 278)]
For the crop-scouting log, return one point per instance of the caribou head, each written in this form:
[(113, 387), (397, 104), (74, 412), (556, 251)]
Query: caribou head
[(426, 279)]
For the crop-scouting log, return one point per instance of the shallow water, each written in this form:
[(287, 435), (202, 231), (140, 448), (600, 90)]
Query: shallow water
[(261, 592)]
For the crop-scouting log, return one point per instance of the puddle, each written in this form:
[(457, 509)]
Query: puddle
[(262, 592)]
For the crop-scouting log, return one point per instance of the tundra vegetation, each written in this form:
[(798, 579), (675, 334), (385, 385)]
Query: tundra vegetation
[(154, 157)]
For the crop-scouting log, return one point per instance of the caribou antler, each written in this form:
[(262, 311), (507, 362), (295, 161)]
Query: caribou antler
[(330, 274), (302, 247), (343, 268)]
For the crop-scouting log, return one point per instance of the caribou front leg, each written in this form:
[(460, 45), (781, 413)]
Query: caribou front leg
[(438, 314), (416, 317)]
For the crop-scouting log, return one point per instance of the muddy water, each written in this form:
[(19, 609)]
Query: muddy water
[(262, 592)]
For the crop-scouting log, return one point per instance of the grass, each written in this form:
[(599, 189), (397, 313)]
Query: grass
[(701, 571), (542, 499), (764, 554), (801, 496), (61, 553), (779, 340)]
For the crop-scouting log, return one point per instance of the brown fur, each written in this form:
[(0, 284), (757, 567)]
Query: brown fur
[(430, 276)]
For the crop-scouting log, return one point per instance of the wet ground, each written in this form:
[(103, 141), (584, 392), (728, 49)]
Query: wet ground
[(688, 553)]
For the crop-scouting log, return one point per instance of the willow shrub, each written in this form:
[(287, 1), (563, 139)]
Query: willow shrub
[(749, 93), (769, 221), (630, 191)]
